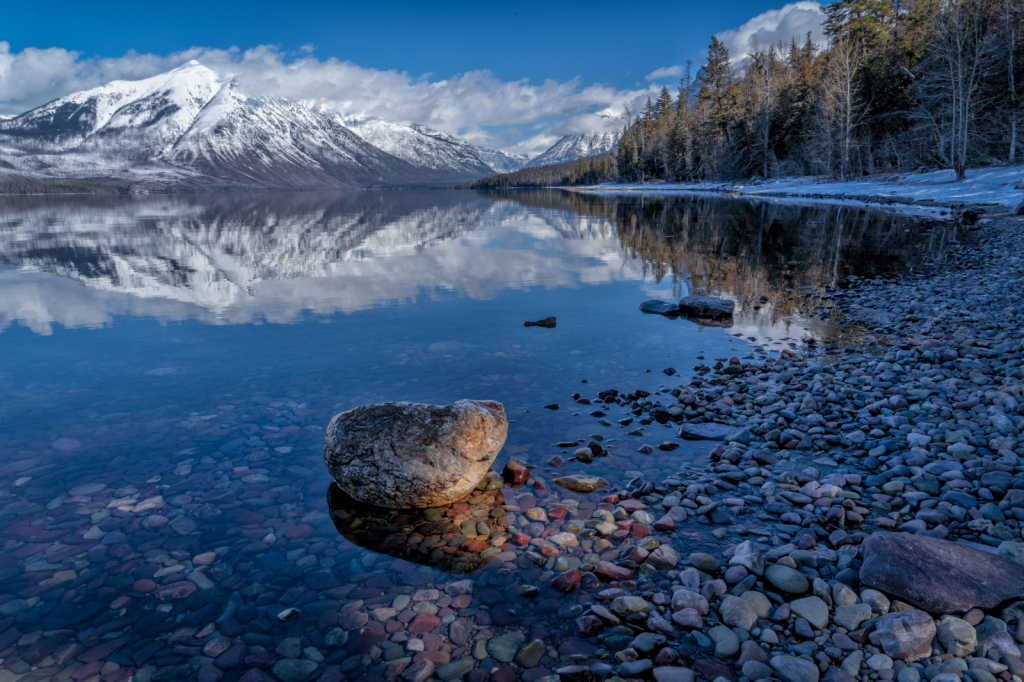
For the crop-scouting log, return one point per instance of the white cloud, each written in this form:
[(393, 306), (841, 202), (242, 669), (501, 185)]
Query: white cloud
[(466, 104), (664, 72), (793, 20)]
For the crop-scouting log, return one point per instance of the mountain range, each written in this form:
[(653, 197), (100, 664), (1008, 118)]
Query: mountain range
[(190, 128)]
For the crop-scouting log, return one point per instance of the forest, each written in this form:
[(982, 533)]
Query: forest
[(899, 85), (590, 170)]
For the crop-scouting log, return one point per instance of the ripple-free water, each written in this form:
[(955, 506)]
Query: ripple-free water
[(168, 365)]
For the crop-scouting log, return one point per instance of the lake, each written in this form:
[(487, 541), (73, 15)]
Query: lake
[(168, 365)]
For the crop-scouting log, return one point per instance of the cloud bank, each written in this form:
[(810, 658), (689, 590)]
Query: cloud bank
[(793, 20), (664, 72)]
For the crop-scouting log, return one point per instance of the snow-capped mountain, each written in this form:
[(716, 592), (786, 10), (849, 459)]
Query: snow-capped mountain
[(422, 147), (192, 126), (572, 147), (501, 162)]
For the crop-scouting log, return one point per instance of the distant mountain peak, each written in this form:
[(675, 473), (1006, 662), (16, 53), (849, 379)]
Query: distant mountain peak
[(577, 146)]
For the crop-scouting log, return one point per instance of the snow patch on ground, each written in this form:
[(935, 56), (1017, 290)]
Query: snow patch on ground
[(994, 186)]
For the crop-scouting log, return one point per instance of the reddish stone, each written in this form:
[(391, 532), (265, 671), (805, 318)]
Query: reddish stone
[(567, 581), (299, 532), (608, 571), (424, 622), (144, 585), (640, 530), (632, 505), (556, 513), (521, 539), (462, 601), (515, 472), (175, 591), (611, 499), (588, 626), (625, 525), (393, 626), (549, 550), (664, 523), (473, 546)]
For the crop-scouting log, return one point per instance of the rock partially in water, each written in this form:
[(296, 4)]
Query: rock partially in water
[(706, 306), (939, 576), (705, 431), (547, 323), (659, 307), (412, 455), (581, 483)]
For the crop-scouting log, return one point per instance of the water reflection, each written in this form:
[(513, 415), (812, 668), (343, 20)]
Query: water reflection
[(250, 258)]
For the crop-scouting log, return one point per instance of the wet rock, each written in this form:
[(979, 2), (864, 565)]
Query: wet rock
[(402, 455), (455, 669), (515, 472), (938, 575), (581, 483), (905, 636), (419, 671), (659, 307), (705, 431), (567, 581), (663, 558), (706, 306), (547, 323), (503, 647), (530, 655), (293, 670)]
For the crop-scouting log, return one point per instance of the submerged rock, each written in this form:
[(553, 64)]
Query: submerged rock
[(409, 455), (939, 576), (581, 483), (706, 306), (705, 431)]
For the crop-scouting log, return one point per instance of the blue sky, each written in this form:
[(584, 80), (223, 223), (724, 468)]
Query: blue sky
[(597, 53)]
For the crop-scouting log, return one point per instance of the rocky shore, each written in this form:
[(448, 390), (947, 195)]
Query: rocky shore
[(860, 518)]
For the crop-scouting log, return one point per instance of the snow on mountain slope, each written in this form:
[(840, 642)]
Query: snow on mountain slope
[(190, 126), (262, 140), (127, 115), (422, 146), (572, 147), (501, 162)]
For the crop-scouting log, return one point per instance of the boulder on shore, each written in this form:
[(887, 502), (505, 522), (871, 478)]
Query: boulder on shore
[(939, 576), (706, 306), (412, 455)]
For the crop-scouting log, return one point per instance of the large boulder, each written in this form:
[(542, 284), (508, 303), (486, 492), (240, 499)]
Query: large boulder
[(939, 576), (706, 306), (411, 455)]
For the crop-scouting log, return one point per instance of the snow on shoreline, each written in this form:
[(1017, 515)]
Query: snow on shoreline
[(995, 186)]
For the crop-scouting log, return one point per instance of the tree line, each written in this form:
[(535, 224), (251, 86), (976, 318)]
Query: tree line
[(591, 170), (899, 85)]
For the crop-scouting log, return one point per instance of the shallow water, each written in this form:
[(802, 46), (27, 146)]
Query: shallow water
[(168, 365)]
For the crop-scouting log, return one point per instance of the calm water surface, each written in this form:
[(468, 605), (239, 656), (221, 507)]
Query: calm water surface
[(168, 365)]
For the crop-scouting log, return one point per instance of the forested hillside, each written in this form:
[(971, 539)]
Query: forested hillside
[(586, 171), (900, 84)]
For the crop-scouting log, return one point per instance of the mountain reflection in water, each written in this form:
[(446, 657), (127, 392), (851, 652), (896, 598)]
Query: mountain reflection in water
[(232, 259)]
